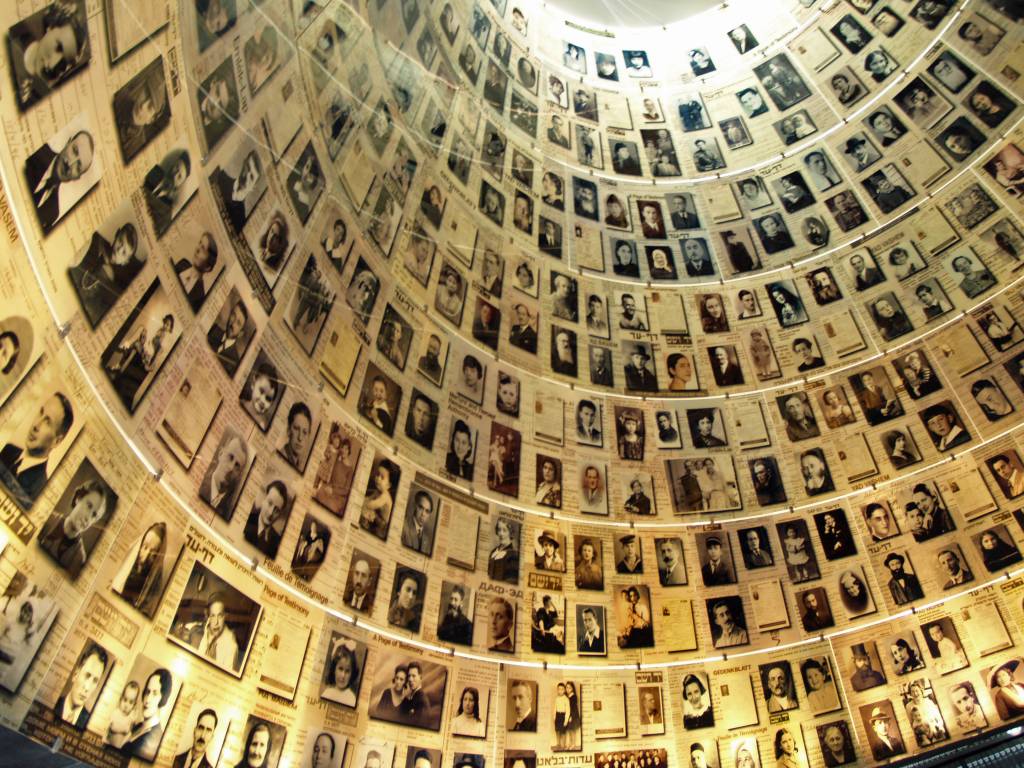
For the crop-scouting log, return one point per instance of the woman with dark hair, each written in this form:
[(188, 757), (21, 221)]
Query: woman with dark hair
[(616, 216), (889, 318), (379, 501), (624, 259), (787, 305), (503, 562), (900, 453), (1007, 693), (333, 479), (996, 553), (697, 711), (574, 723), (140, 581), (467, 720), (147, 734), (786, 750), (343, 675), (549, 489), (905, 658), (459, 461), (274, 242), (260, 393)]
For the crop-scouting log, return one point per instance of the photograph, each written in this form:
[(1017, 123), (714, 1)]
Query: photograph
[(61, 172), (225, 474), (48, 48), (39, 434), (407, 691), (268, 517), (728, 622), (591, 630), (344, 665), (310, 548), (232, 332), (137, 352), (332, 482), (81, 691), (361, 583), (78, 520), (215, 621), (146, 572), (141, 109), (263, 743), (27, 615), (143, 709), (379, 399), (202, 738), (633, 618), (697, 707)]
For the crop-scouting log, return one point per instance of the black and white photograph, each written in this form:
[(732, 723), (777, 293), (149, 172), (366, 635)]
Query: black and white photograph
[(239, 184), (728, 623), (408, 691), (146, 571), (218, 102), (269, 514), (202, 738), (141, 109), (26, 618), (143, 709), (215, 621), (634, 628), (38, 434), (65, 169), (84, 685), (224, 476), (168, 187), (311, 548), (48, 48), (343, 669), (782, 82), (262, 744), (379, 399)]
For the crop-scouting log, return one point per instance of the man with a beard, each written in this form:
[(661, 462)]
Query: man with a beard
[(87, 674), (904, 587), (257, 748), (430, 361), (212, 637), (202, 734), (24, 469), (221, 480), (421, 422), (455, 626)]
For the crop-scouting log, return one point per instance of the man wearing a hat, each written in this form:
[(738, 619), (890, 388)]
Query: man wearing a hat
[(548, 559), (864, 675), (884, 744), (860, 152), (639, 376), (904, 587), (631, 561), (715, 570)]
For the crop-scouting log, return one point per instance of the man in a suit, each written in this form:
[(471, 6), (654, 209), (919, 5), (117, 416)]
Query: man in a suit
[(202, 734), (671, 572), (227, 341), (24, 469), (715, 570), (883, 743), (87, 674), (47, 171), (864, 276), (418, 531), (502, 616), (522, 707), (193, 273), (261, 528), (455, 626), (682, 216), (726, 372), (549, 239), (592, 639), (359, 592), (904, 587), (221, 479), (639, 377)]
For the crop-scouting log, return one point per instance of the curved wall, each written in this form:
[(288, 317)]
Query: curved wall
[(659, 389)]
